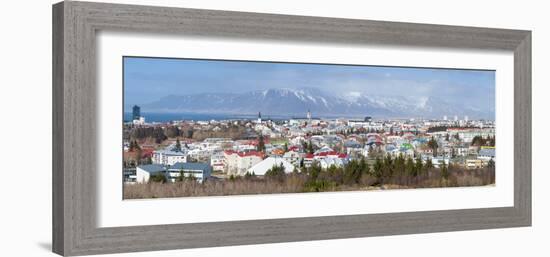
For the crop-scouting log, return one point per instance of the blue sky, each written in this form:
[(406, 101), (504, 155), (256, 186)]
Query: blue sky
[(148, 79)]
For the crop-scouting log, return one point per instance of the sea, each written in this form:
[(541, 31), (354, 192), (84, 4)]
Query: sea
[(167, 117)]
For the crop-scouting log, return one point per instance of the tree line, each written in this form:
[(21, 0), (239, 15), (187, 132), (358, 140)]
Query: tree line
[(400, 171)]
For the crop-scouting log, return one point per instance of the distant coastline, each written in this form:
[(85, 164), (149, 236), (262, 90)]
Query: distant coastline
[(166, 117), (172, 116)]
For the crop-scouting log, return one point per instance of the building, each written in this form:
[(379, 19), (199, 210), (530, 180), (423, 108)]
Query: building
[(486, 154), (332, 158), (238, 163), (139, 121), (195, 170), (217, 161), (438, 161), (136, 112), (262, 167), (169, 157), (144, 172), (332, 161), (293, 157), (308, 160), (129, 175), (259, 117), (358, 123), (474, 163)]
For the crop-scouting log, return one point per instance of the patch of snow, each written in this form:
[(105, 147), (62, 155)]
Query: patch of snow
[(324, 101), (300, 96)]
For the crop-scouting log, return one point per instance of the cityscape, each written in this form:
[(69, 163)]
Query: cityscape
[(301, 139)]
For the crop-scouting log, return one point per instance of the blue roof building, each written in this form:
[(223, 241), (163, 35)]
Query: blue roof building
[(487, 154), (195, 170), (144, 172)]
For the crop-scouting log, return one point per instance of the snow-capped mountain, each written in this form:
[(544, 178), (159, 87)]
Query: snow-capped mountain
[(296, 102)]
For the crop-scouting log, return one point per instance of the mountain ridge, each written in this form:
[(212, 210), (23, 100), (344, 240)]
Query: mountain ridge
[(292, 102)]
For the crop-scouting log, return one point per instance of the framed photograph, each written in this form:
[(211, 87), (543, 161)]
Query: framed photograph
[(182, 128)]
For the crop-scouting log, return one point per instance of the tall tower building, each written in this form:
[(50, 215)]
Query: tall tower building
[(308, 115), (259, 117), (136, 112)]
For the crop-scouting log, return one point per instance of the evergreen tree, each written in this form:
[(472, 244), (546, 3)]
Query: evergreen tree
[(409, 167), (491, 164), (399, 164), (444, 170), (261, 144), (352, 172), (314, 170), (364, 166), (310, 147), (377, 168), (388, 166), (429, 164), (181, 176), (139, 154), (249, 175), (158, 177), (433, 145), (419, 168), (132, 146), (191, 177)]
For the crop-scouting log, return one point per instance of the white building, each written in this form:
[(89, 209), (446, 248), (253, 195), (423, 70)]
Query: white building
[(438, 161), (262, 167), (238, 163), (144, 172), (217, 161), (169, 157), (293, 157), (332, 161), (140, 121)]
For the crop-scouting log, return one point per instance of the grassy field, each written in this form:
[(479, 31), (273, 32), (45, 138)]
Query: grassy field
[(302, 182)]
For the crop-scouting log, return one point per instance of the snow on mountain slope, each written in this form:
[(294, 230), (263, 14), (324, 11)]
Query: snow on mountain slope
[(292, 102)]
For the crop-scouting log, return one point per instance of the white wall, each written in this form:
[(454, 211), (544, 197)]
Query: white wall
[(26, 95)]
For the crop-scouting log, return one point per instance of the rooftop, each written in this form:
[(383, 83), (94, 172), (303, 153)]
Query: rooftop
[(170, 152), (152, 168), (190, 166), (245, 154), (487, 152)]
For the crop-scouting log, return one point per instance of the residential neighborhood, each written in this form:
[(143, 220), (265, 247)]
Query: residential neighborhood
[(195, 150)]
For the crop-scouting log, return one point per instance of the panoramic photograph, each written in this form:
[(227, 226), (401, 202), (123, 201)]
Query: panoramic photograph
[(198, 127)]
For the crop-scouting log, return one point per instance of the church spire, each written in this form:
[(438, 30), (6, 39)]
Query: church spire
[(259, 117)]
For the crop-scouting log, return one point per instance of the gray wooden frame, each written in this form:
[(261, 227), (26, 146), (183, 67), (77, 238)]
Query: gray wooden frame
[(74, 130)]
